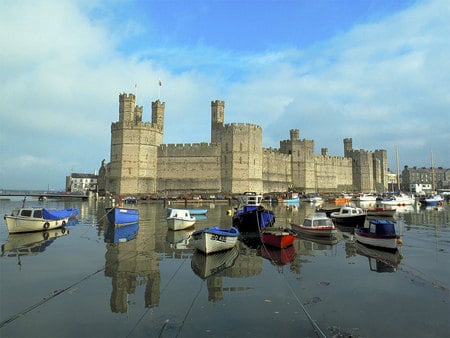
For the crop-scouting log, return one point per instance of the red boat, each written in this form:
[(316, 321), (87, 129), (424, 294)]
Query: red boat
[(277, 237)]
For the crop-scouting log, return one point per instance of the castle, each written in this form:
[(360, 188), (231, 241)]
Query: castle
[(234, 161)]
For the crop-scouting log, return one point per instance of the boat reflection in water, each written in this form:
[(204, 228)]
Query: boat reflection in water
[(379, 260), (119, 234), (277, 256), (30, 243), (179, 239), (205, 266)]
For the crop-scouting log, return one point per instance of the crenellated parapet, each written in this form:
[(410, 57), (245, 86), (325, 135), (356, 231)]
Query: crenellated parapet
[(189, 149), (148, 126)]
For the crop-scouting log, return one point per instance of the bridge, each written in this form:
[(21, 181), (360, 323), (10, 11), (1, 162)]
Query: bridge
[(43, 194)]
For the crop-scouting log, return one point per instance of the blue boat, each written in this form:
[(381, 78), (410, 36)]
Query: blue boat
[(380, 233), (431, 200), (251, 215), (122, 216)]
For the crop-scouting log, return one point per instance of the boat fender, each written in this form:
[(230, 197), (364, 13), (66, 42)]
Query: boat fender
[(440, 204), (63, 223), (46, 225), (399, 241), (419, 204)]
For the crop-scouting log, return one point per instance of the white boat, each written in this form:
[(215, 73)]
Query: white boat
[(33, 219), (364, 198), (397, 200), (180, 219), (431, 200), (214, 239), (380, 233), (349, 216), (317, 224)]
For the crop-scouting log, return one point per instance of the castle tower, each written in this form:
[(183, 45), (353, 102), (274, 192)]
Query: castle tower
[(295, 134), (127, 104), (348, 147), (133, 163), (158, 108), (217, 120)]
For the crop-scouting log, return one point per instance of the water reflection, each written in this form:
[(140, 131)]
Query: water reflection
[(379, 260), (206, 266), (133, 264), (31, 243)]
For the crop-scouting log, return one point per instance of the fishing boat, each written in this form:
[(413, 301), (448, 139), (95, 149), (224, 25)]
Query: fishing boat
[(317, 224), (206, 266), (277, 237), (349, 216), (180, 219), (214, 239), (193, 212), (364, 198), (381, 212), (33, 219), (251, 215), (431, 200), (380, 233), (120, 216)]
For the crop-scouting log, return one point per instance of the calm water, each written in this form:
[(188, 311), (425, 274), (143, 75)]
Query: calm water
[(82, 284)]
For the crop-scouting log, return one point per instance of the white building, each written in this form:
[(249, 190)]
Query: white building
[(81, 183)]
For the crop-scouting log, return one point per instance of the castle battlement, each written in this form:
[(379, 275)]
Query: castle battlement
[(242, 126), (136, 125), (125, 96)]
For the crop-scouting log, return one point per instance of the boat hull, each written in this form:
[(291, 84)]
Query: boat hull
[(381, 212), (277, 238), (122, 216), (180, 223), (214, 239), (17, 224), (349, 221), (385, 242), (325, 231)]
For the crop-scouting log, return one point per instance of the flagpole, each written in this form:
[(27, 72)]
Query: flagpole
[(159, 90)]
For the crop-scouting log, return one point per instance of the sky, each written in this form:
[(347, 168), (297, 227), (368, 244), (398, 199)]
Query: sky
[(376, 71)]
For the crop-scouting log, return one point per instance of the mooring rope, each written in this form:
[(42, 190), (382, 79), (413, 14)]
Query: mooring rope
[(46, 299)]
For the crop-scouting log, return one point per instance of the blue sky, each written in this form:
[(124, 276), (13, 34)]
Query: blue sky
[(375, 71)]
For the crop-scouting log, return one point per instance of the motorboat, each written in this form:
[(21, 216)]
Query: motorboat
[(180, 219), (34, 219), (317, 224), (431, 200), (380, 233), (251, 215), (214, 239), (349, 216), (193, 212)]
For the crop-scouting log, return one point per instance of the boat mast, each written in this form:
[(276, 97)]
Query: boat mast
[(432, 171), (398, 170)]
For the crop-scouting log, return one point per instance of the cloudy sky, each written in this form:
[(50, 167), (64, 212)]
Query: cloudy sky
[(377, 71)]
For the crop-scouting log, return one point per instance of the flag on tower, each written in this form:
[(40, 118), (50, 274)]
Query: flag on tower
[(160, 83)]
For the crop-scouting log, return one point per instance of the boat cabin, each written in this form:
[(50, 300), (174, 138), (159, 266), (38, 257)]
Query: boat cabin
[(381, 227), (318, 220), (28, 212)]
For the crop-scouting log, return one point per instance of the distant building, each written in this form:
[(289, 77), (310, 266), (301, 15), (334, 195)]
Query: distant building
[(436, 178), (81, 183), (233, 162)]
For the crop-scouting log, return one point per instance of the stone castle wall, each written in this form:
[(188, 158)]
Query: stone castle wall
[(234, 162)]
